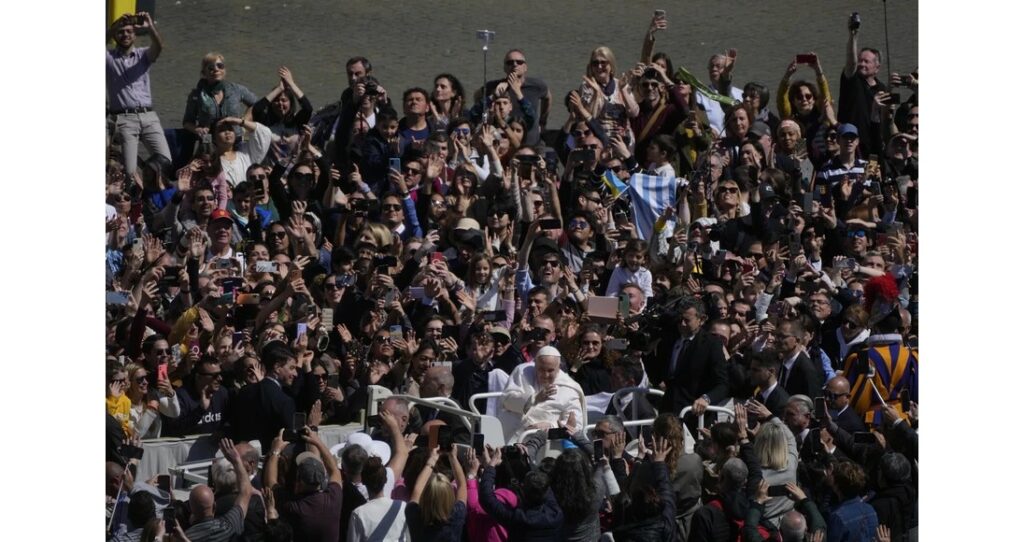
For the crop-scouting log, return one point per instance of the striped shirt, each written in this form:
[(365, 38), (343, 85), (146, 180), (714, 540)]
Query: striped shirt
[(218, 529), (895, 370), (835, 170)]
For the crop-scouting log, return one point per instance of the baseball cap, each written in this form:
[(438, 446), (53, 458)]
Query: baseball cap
[(499, 331), (846, 129), (759, 128), (220, 214)]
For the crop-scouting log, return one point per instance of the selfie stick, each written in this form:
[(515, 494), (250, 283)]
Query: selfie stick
[(485, 36), (885, 18)]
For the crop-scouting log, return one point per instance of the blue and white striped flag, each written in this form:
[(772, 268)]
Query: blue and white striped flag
[(650, 196)]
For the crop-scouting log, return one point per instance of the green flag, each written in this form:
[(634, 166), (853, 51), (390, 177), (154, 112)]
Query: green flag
[(687, 77)]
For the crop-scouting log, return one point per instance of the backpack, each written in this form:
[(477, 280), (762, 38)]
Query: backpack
[(767, 532)]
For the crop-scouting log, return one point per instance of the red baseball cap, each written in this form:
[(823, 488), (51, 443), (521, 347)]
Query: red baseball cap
[(219, 214)]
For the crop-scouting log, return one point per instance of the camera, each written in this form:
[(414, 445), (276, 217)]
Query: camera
[(371, 89), (650, 73), (854, 21)]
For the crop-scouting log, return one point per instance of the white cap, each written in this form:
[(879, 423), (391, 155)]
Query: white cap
[(549, 351), (374, 448)]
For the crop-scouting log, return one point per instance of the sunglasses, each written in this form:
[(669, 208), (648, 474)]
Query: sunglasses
[(832, 136), (141, 379), (205, 198), (412, 171), (391, 207), (257, 178), (438, 203), (599, 62), (307, 177), (123, 197), (650, 84), (730, 190), (278, 234), (857, 233), (121, 380), (578, 224), (215, 66), (382, 338), (515, 62), (321, 376), (434, 330), (162, 351), (550, 263), (462, 131)]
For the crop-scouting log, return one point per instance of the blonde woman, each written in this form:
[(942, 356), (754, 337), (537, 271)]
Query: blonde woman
[(148, 404), (775, 447), (607, 99), (214, 98), (434, 512)]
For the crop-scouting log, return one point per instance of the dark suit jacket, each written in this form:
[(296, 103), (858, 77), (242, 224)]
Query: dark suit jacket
[(644, 411), (700, 370), (260, 411), (776, 401), (850, 421), (805, 378)]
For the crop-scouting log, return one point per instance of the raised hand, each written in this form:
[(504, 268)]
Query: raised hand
[(662, 447)]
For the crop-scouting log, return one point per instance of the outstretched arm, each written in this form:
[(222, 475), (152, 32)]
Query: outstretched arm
[(851, 54), (241, 475)]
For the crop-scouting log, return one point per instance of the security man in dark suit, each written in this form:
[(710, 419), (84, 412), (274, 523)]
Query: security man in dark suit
[(837, 393), (764, 368), (798, 374), (264, 408), (692, 363)]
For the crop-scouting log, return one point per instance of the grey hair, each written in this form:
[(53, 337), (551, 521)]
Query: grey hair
[(353, 457), (805, 402), (223, 476), (614, 422), (793, 527), (733, 474)]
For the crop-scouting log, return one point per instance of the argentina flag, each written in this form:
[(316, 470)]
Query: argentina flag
[(650, 195)]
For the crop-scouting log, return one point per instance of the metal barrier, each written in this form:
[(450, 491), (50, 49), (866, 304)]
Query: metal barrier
[(620, 394), (377, 394), (486, 395), (700, 419)]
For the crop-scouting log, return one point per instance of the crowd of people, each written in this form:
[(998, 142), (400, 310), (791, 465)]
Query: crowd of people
[(270, 261)]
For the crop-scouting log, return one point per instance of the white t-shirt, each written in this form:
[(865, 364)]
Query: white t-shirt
[(248, 153), (380, 520)]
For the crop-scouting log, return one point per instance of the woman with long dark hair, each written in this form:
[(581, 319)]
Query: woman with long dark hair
[(448, 101)]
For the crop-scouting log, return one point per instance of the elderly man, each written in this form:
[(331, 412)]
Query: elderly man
[(205, 526), (438, 382), (837, 393), (541, 393)]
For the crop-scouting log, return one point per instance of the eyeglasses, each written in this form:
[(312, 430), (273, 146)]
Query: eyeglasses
[(382, 338), (320, 376), (412, 171), (462, 131), (546, 330), (215, 66), (599, 62), (831, 136), (162, 351), (650, 84), (278, 234), (122, 197), (550, 263), (515, 62), (757, 255), (391, 207), (141, 379), (257, 178), (805, 97)]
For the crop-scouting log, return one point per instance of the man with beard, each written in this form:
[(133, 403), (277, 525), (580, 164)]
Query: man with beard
[(203, 402)]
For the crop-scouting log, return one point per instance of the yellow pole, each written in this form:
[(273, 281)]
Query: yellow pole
[(117, 8)]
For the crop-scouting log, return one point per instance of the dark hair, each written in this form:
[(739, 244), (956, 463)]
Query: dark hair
[(876, 52), (574, 486), (365, 61), (539, 290), (762, 93), (458, 91), (374, 477), (849, 479), (765, 359), (141, 509), (670, 70), (384, 116), (513, 468), (243, 189), (631, 368), (408, 91), (794, 87), (278, 531), (276, 353), (534, 487), (147, 345), (665, 144)]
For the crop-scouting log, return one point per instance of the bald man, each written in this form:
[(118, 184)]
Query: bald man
[(793, 527), (207, 528), (837, 393)]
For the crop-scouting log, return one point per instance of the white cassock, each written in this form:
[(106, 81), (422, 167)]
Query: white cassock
[(518, 397)]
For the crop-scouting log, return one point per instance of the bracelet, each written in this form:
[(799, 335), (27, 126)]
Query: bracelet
[(275, 452)]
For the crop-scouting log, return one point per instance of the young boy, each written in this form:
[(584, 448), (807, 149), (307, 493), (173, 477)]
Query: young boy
[(631, 269), (377, 150), (659, 153)]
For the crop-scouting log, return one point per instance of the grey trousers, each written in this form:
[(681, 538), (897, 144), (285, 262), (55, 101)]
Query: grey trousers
[(130, 128)]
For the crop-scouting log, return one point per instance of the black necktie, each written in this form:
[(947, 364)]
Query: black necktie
[(782, 376)]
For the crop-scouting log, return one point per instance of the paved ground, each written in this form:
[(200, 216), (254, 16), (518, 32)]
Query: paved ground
[(410, 42)]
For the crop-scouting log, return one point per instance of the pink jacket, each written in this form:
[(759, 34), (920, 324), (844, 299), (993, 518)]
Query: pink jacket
[(481, 525)]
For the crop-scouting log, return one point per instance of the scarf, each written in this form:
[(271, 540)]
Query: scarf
[(210, 88)]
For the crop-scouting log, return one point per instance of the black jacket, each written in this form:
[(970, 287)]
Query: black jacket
[(700, 369), (541, 523), (896, 508), (660, 527), (850, 421), (776, 401), (260, 411), (805, 378)]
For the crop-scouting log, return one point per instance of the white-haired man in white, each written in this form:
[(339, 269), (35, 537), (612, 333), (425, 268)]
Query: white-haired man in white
[(541, 394)]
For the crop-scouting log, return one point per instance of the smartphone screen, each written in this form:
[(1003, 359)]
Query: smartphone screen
[(163, 482), (170, 517), (478, 444), (550, 224), (819, 408), (396, 332), (598, 450), (395, 164), (808, 203), (298, 420)]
